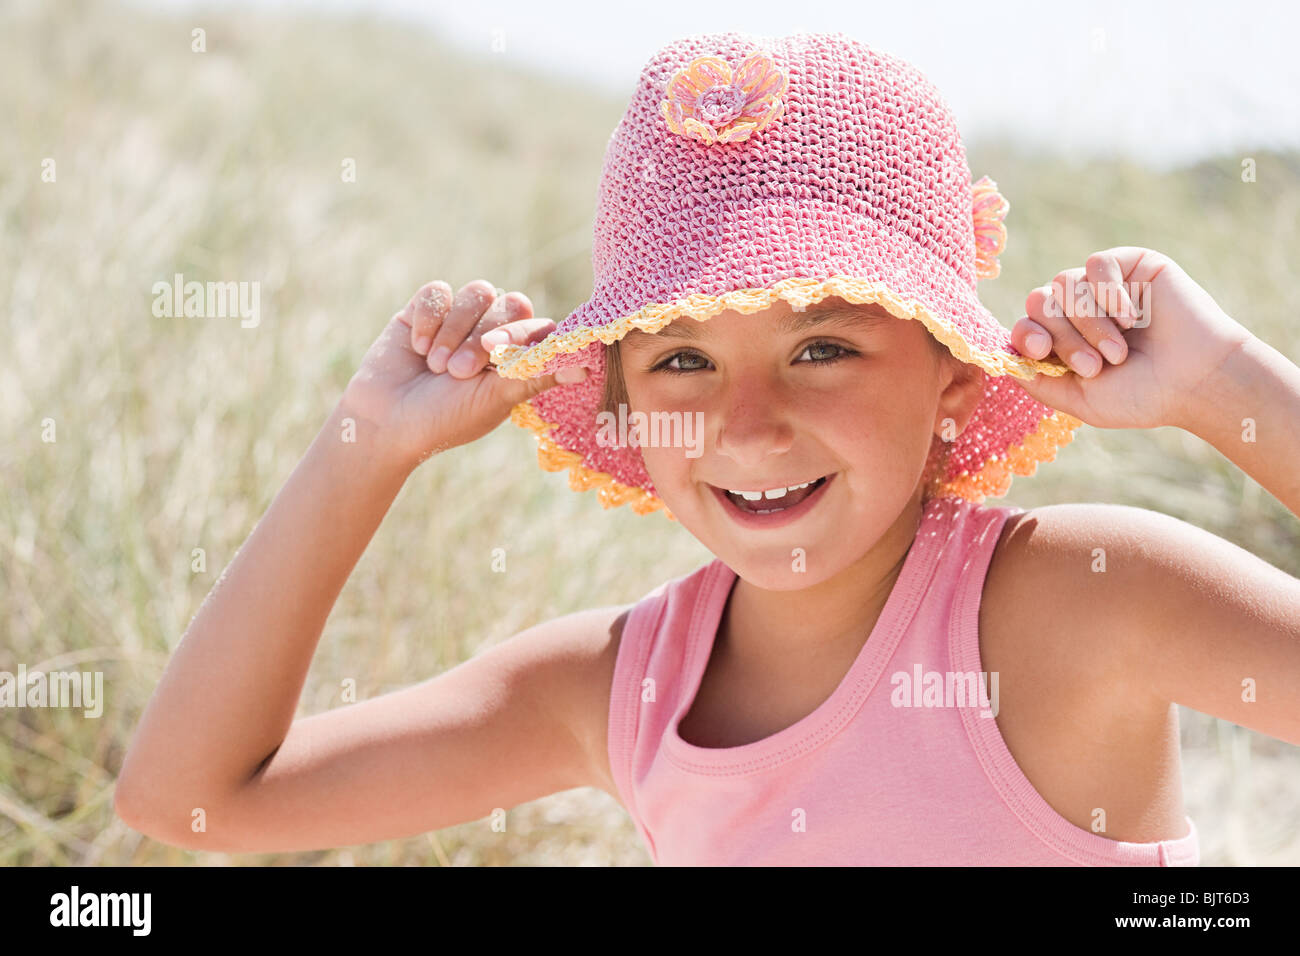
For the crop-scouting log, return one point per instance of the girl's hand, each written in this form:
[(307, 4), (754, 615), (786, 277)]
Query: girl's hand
[(1168, 335), (425, 384)]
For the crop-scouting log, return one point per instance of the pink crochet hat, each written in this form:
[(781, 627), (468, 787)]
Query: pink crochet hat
[(749, 169)]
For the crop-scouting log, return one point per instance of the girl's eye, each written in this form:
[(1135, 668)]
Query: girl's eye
[(826, 345), (666, 366)]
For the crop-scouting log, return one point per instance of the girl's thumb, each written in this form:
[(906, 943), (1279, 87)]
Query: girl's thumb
[(1052, 391), (528, 332), (527, 388)]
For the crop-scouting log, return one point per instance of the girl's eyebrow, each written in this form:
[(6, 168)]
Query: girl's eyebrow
[(795, 322)]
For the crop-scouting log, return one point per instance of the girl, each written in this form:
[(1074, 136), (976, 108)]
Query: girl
[(878, 668)]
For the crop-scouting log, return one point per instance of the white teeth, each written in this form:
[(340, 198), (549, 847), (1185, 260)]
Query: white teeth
[(773, 493)]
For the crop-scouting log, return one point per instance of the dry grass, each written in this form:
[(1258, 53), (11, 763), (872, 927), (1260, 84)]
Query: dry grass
[(174, 434)]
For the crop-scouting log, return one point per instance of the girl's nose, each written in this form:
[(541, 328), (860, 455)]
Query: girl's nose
[(752, 426)]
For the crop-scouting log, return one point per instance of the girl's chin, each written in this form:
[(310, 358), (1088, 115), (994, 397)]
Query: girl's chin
[(780, 570)]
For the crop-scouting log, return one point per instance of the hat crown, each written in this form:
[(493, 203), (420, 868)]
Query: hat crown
[(858, 131)]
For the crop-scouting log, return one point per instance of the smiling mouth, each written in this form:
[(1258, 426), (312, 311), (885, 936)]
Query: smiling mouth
[(770, 505)]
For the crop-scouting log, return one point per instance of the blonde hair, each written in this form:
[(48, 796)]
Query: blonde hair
[(615, 386)]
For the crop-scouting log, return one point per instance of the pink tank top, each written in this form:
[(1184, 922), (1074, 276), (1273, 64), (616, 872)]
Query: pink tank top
[(866, 779)]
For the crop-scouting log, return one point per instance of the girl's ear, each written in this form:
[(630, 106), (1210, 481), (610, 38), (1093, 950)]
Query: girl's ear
[(963, 387)]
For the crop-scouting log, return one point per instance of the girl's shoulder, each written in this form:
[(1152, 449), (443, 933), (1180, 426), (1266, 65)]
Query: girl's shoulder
[(1054, 561), (1135, 589), (1070, 591), (1140, 589), (1076, 566)]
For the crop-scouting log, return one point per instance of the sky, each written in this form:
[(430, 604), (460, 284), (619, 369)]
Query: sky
[(1160, 82)]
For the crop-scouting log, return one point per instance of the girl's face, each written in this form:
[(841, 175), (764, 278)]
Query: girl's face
[(844, 393)]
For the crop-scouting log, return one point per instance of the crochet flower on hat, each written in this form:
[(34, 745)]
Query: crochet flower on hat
[(705, 101), (988, 209)]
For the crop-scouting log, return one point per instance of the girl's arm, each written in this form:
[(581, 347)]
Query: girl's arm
[(216, 736), (230, 690), (1249, 409), (1185, 616), (1221, 626)]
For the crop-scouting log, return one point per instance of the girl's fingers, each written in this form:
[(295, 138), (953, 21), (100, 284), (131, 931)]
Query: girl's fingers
[(1067, 342), (1107, 279), (470, 357), (1073, 294), (1069, 308), (425, 312), (522, 332), (1031, 339), (467, 308)]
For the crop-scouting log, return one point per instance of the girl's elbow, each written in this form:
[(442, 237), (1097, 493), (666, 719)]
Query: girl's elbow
[(166, 823)]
